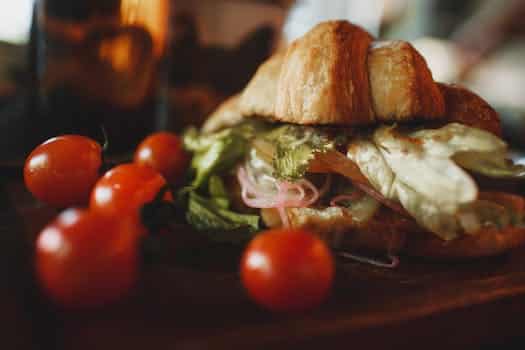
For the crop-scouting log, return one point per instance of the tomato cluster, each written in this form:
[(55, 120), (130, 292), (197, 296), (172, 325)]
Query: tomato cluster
[(89, 257)]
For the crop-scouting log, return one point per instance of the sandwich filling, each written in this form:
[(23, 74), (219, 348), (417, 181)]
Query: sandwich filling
[(334, 179)]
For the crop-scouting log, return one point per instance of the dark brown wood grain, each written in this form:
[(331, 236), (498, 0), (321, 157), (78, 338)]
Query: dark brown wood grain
[(199, 303)]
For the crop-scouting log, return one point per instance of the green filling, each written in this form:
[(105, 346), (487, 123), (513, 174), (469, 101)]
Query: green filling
[(422, 163), (296, 145), (207, 199), (219, 152)]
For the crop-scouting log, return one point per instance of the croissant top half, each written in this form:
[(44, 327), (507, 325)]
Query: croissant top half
[(324, 79), (336, 74)]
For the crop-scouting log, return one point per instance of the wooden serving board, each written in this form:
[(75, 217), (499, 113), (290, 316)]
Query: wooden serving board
[(199, 303)]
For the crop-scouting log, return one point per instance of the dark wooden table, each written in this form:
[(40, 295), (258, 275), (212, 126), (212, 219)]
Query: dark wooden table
[(181, 305)]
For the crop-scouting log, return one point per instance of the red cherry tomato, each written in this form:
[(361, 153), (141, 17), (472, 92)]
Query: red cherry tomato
[(86, 259), (62, 171), (287, 270), (125, 189), (163, 152)]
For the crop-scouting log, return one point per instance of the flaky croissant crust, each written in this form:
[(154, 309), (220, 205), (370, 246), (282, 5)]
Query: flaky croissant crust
[(401, 84), (335, 74), (324, 79)]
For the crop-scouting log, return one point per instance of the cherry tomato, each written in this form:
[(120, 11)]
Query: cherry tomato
[(287, 270), (163, 152), (124, 189), (86, 259), (62, 171)]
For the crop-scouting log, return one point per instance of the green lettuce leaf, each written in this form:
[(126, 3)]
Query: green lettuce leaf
[(490, 165), (373, 166), (205, 214), (219, 152), (207, 202), (423, 209), (423, 171), (220, 223), (296, 145), (454, 137), (218, 193), (473, 149), (433, 175), (427, 213), (468, 219)]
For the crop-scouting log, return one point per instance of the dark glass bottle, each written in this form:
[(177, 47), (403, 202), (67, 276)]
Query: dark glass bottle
[(100, 62)]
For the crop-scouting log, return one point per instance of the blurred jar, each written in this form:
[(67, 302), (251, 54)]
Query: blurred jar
[(100, 62), (217, 45)]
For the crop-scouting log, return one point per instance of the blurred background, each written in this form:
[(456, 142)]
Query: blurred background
[(209, 49), (68, 66)]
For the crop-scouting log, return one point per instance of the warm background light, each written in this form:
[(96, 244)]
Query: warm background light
[(152, 15)]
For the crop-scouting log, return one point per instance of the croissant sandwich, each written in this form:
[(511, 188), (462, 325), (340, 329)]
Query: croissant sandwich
[(351, 138)]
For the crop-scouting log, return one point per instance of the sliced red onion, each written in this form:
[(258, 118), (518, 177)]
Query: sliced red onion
[(326, 185), (345, 197), (285, 188), (285, 194), (249, 191), (394, 260), (312, 188)]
